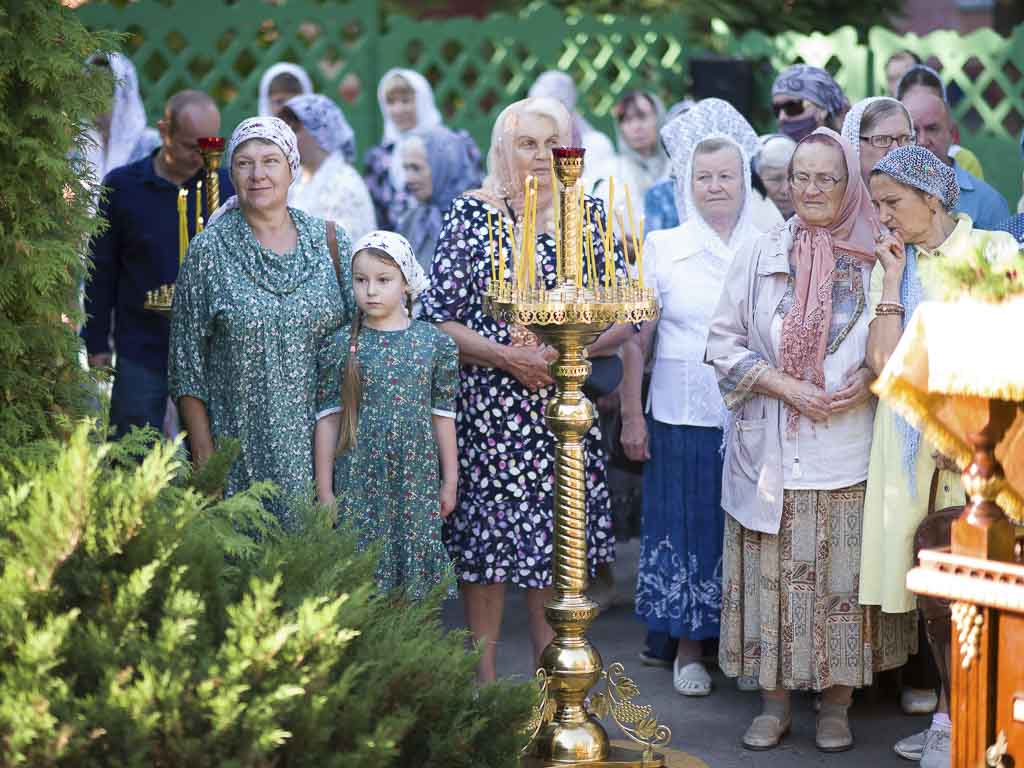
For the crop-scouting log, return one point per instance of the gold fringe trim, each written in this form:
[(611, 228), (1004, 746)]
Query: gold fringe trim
[(914, 406)]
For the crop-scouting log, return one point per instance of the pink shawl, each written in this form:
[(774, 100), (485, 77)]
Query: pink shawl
[(806, 326)]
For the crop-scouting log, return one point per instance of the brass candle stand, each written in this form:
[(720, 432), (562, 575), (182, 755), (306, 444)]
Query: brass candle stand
[(212, 150), (566, 728)]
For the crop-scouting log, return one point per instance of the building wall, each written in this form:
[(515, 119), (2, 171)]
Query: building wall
[(924, 16)]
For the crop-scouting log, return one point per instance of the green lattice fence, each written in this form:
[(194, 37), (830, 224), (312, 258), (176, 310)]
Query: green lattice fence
[(478, 66)]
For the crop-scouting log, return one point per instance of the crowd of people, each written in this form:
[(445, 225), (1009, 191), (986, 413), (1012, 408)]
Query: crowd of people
[(331, 320)]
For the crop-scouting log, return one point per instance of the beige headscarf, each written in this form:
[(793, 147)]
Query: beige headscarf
[(503, 181)]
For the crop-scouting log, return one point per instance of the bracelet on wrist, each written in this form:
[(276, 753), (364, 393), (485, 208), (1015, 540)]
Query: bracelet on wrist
[(889, 308)]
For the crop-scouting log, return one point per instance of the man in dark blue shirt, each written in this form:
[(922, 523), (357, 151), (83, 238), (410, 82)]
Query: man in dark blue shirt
[(138, 252)]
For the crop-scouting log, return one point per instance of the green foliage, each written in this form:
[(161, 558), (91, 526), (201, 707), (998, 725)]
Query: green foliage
[(46, 96), (138, 627)]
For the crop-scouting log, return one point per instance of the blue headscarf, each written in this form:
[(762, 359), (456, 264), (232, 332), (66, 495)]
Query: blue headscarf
[(454, 162)]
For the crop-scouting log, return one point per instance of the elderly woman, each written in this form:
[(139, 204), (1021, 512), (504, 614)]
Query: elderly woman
[(914, 193), (805, 98), (788, 342), (439, 165), (255, 300), (875, 127), (772, 165), (679, 580), (328, 187), (501, 529)]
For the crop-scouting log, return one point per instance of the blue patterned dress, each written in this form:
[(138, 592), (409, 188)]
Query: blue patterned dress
[(660, 206), (501, 528)]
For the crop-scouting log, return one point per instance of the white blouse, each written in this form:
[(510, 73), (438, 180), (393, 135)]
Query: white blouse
[(336, 192), (687, 279)]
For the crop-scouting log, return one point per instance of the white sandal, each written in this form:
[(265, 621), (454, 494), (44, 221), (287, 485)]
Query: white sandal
[(691, 680)]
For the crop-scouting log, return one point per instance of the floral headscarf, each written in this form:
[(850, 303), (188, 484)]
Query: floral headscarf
[(805, 327), (802, 81), (324, 119), (918, 168), (281, 68), (398, 248), (272, 129)]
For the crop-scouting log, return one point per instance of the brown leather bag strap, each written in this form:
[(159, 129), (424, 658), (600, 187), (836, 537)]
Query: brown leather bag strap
[(332, 244), (933, 493)]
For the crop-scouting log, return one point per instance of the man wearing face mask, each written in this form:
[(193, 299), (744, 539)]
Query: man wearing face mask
[(138, 252), (805, 98)]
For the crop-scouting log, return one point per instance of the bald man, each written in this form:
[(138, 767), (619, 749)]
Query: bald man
[(138, 252), (935, 130)]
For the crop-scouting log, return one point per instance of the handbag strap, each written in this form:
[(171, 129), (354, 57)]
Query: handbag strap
[(332, 245)]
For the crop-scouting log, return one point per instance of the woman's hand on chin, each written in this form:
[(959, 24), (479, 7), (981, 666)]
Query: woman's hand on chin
[(811, 401), (889, 250)]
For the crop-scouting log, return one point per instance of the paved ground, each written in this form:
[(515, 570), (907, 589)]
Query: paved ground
[(710, 728)]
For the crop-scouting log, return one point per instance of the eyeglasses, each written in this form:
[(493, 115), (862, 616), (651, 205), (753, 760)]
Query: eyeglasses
[(881, 141), (822, 181), (792, 108)]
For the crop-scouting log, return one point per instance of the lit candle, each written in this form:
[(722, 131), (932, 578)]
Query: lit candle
[(182, 225), (199, 206)]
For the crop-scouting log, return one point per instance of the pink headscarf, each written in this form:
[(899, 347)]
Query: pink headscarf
[(805, 327)]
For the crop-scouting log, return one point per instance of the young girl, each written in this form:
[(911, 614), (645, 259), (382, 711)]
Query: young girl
[(394, 422)]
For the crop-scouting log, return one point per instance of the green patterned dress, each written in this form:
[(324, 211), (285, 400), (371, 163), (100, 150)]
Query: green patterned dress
[(388, 484), (246, 332)]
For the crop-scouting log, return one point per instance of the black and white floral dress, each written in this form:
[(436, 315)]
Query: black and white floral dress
[(501, 529)]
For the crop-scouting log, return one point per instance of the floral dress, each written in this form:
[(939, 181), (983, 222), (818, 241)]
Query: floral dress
[(501, 529), (247, 328), (388, 483), (389, 203)]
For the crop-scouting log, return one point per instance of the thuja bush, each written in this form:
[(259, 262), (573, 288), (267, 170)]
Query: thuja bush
[(143, 623), (47, 95)]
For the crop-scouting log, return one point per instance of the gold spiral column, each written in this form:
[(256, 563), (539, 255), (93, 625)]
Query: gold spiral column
[(567, 728)]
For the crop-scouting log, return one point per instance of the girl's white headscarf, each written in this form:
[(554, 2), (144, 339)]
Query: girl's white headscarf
[(711, 119), (281, 68), (427, 114), (271, 129), (398, 248), (851, 125)]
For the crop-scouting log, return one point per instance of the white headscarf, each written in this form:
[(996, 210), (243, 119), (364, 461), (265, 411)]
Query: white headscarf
[(281, 68), (398, 248), (711, 119), (271, 129), (642, 171), (326, 122), (851, 125), (776, 150), (127, 121), (427, 114)]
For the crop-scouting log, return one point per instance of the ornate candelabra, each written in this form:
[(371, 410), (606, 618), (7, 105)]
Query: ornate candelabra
[(212, 149), (570, 317)]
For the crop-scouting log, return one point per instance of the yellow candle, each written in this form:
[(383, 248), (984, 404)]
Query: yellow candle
[(501, 247), (611, 207), (533, 234), (182, 225), (199, 206), (640, 252), (490, 249), (558, 240), (625, 240), (591, 261)]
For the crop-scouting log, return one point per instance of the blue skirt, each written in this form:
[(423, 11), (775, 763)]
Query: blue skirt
[(679, 583)]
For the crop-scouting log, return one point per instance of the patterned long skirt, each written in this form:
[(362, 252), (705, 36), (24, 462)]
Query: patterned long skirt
[(790, 615), (679, 578)]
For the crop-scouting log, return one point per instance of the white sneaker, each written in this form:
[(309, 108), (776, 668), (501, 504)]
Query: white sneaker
[(936, 749), (911, 747)]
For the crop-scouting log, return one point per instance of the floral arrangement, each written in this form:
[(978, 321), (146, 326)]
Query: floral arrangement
[(991, 270)]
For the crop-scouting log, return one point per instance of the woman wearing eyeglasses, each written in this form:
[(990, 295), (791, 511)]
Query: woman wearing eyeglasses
[(788, 342), (915, 194), (805, 98), (875, 127)]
